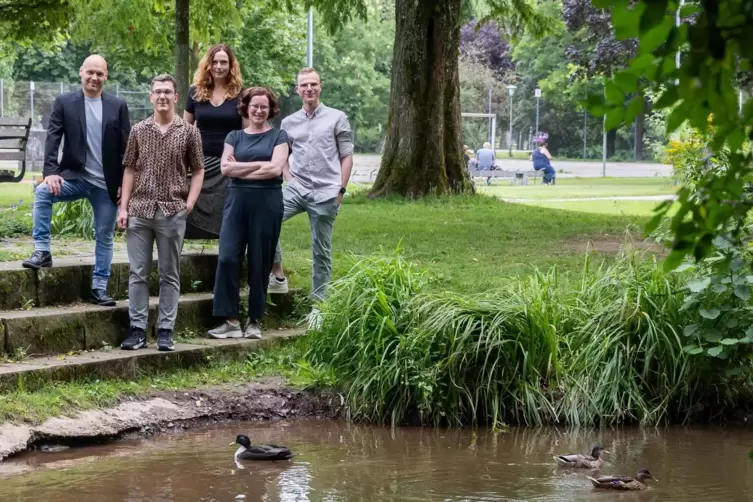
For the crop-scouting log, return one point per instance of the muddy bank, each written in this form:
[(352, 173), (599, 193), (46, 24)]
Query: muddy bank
[(166, 412)]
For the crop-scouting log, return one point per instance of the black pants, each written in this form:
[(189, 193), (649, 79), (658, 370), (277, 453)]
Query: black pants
[(252, 217)]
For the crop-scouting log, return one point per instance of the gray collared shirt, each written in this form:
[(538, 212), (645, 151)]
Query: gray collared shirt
[(318, 142)]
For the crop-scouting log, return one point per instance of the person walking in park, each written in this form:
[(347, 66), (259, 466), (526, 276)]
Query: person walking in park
[(253, 159), (95, 125), (542, 159), (212, 105), (317, 176), (162, 150)]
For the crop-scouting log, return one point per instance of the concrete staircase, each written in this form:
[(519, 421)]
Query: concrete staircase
[(48, 334)]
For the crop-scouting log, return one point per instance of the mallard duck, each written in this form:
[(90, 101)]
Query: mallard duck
[(623, 482), (260, 451), (583, 461)]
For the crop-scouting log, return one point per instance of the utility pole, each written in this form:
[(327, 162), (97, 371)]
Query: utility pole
[(310, 38)]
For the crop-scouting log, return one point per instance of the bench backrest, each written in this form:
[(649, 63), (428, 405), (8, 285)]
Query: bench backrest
[(14, 133)]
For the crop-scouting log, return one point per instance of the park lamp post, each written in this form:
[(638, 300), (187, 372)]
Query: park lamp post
[(537, 94), (511, 90)]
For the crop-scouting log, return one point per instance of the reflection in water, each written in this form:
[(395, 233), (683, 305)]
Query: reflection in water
[(337, 462)]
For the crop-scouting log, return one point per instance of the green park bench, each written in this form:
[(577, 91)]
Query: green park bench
[(14, 134)]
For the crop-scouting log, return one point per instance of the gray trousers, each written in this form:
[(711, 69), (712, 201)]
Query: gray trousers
[(321, 220), (168, 231)]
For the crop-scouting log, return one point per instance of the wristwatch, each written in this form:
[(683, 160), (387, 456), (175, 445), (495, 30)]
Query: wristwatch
[(342, 190)]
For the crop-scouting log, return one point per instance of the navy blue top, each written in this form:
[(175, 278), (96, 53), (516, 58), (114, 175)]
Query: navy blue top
[(539, 160), (257, 147)]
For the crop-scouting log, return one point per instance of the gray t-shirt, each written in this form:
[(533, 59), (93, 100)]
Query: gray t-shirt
[(93, 171), (256, 148), (485, 158)]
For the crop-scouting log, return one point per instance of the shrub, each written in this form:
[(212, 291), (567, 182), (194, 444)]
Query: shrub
[(607, 349)]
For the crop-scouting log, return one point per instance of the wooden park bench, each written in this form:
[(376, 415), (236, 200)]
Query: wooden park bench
[(14, 134), (518, 177)]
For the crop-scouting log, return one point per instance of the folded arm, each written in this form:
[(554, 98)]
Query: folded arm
[(273, 168)]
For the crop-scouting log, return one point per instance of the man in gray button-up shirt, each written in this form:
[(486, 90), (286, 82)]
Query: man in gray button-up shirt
[(319, 168)]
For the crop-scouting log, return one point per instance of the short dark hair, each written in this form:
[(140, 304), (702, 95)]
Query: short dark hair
[(164, 77), (245, 101)]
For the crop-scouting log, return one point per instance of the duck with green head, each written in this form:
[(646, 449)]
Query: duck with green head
[(594, 461), (623, 482)]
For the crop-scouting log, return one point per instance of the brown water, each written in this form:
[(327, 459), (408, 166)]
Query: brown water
[(337, 461)]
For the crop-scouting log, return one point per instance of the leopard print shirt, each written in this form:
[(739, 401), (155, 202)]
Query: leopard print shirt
[(161, 163)]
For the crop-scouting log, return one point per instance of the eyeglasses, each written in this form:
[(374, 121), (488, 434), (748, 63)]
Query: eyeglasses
[(259, 108), (308, 86), (167, 93)]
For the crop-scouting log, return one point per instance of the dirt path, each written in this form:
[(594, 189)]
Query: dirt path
[(164, 412)]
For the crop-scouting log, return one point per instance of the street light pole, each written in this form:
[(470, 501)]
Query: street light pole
[(537, 93), (511, 90), (310, 38)]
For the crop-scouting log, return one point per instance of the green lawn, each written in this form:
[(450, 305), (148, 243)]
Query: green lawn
[(471, 243), (566, 188), (613, 207), (12, 193)]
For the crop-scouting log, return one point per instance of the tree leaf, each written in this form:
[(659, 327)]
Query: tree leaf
[(691, 329), (657, 35), (730, 341), (614, 117), (719, 288), (715, 351), (699, 285), (692, 349), (676, 118), (742, 291), (712, 313), (613, 93)]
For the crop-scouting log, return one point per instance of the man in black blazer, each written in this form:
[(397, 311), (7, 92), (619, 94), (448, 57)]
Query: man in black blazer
[(96, 128)]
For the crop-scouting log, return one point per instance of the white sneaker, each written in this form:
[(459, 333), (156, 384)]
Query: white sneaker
[(252, 331), (226, 330), (314, 319), (277, 286)]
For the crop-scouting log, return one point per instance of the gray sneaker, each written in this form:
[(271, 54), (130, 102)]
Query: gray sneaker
[(226, 330), (252, 331), (276, 286)]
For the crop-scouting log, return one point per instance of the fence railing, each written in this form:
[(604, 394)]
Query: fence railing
[(22, 99)]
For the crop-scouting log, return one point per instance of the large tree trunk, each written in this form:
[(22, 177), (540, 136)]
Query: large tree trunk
[(423, 149), (182, 51)]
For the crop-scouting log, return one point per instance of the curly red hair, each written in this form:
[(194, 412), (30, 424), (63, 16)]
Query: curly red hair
[(203, 80)]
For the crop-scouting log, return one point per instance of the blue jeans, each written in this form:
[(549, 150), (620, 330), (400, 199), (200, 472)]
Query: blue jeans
[(105, 213), (548, 173)]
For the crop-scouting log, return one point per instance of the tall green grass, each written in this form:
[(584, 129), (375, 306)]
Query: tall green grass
[(604, 349)]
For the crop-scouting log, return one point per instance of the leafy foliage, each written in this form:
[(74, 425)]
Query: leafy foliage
[(715, 46), (720, 306), (74, 219), (607, 349)]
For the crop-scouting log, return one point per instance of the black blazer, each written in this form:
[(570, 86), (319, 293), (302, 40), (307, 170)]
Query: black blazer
[(68, 119)]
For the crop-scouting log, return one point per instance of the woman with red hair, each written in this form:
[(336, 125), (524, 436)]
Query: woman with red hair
[(212, 104)]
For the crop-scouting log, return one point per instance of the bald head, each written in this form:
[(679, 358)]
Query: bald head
[(94, 60), (93, 74)]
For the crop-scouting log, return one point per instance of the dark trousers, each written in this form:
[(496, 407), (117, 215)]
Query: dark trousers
[(251, 218)]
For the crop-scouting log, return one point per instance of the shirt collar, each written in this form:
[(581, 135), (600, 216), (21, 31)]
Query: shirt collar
[(177, 122), (316, 111)]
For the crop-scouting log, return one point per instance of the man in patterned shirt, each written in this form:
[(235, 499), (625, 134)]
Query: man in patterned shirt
[(156, 198)]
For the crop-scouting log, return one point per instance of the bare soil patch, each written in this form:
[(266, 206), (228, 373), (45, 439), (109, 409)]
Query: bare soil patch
[(171, 412)]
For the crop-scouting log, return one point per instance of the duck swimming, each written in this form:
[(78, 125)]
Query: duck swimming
[(583, 461), (623, 482), (259, 452)]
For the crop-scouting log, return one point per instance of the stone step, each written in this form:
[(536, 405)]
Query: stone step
[(35, 373), (69, 280), (59, 330)]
